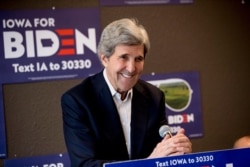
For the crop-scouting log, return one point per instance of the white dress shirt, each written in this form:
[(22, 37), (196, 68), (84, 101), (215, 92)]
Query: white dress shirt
[(124, 109)]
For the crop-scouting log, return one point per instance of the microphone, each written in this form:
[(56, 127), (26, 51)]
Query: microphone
[(165, 130)]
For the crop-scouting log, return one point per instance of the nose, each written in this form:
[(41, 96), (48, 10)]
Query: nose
[(131, 66)]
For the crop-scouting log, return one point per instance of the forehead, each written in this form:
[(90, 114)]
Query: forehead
[(130, 49)]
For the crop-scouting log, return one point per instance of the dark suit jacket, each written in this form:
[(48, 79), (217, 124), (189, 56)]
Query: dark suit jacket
[(92, 128)]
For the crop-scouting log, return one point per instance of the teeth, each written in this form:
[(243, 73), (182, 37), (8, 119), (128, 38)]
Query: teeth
[(127, 76)]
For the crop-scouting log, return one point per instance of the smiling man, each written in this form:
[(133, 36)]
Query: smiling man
[(124, 67), (114, 115)]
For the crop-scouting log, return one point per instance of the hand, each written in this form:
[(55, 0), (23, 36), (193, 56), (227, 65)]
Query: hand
[(177, 145)]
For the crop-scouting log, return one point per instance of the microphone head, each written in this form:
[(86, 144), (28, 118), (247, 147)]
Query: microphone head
[(164, 130)]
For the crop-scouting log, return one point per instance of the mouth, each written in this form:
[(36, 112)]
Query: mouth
[(127, 75)]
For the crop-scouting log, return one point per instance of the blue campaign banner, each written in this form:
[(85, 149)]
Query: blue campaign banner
[(182, 100), (56, 160), (38, 45), (143, 2), (48, 44), (218, 158), (221, 158)]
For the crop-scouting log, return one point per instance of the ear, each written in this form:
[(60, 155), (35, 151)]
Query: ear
[(104, 60)]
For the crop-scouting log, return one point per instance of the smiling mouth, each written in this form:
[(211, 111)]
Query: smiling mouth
[(127, 75)]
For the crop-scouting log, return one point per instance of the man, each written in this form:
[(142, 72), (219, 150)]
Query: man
[(113, 115)]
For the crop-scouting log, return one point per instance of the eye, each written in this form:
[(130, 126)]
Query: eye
[(139, 59), (124, 57)]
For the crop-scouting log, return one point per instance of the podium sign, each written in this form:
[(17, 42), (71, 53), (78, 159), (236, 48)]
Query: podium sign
[(221, 158)]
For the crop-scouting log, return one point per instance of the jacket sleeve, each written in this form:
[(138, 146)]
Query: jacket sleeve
[(79, 138)]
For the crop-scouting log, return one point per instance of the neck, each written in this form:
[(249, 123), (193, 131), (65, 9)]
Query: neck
[(123, 95)]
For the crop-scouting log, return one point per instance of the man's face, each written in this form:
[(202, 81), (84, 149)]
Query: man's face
[(124, 66)]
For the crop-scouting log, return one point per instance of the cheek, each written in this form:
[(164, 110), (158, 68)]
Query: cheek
[(140, 67), (114, 68), (118, 66)]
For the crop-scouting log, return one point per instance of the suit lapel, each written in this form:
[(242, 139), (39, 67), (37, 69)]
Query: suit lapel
[(138, 119), (109, 117)]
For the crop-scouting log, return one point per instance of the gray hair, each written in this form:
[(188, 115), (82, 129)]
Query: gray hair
[(124, 31)]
